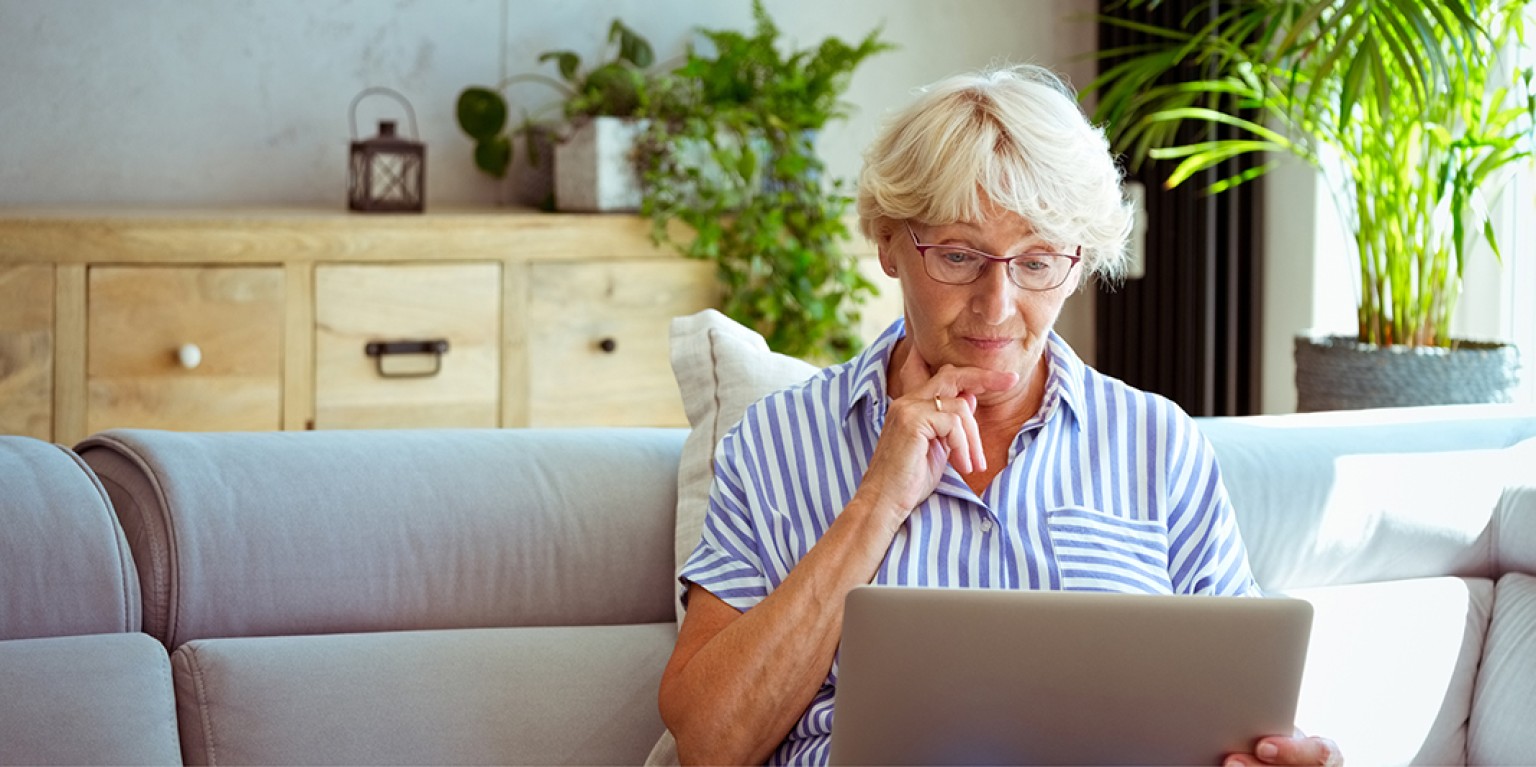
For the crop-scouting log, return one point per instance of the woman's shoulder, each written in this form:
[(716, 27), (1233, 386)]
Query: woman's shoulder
[(826, 397), (824, 392), (1105, 392)]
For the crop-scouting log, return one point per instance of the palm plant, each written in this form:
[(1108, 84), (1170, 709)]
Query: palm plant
[(1410, 108)]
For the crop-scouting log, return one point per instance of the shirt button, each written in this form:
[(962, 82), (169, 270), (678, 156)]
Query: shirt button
[(986, 525)]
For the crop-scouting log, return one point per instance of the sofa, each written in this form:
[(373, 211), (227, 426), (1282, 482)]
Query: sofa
[(507, 596)]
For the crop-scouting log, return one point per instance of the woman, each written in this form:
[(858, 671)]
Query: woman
[(967, 446)]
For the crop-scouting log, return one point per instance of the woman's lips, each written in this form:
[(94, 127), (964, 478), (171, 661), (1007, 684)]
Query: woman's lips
[(988, 343)]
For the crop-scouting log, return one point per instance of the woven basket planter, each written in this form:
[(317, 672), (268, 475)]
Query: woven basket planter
[(1340, 373)]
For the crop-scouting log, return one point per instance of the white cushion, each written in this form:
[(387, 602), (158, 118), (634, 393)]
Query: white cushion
[(721, 368), (1325, 504), (1391, 667)]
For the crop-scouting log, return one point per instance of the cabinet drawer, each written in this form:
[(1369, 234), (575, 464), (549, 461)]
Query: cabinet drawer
[(26, 350), (139, 318), (598, 340), (357, 305)]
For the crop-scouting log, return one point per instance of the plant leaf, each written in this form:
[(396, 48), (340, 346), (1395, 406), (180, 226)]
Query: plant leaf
[(481, 112), (567, 61), (632, 47), (493, 155)]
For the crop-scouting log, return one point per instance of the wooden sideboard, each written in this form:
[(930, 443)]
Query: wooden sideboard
[(264, 319)]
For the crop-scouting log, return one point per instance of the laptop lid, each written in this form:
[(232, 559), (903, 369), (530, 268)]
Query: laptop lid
[(981, 676)]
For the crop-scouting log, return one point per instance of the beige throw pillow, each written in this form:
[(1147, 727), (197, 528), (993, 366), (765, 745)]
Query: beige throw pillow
[(721, 368)]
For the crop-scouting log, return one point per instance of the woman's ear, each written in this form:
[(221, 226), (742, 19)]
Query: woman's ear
[(885, 231)]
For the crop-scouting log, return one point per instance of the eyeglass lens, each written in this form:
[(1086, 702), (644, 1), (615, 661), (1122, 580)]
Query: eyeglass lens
[(1031, 271)]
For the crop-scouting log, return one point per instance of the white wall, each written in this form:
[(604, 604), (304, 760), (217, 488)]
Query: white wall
[(236, 102), (1308, 283)]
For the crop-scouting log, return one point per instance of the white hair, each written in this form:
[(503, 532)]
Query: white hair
[(1013, 136)]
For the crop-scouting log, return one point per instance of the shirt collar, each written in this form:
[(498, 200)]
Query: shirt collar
[(870, 365), (1064, 380), (1064, 377)]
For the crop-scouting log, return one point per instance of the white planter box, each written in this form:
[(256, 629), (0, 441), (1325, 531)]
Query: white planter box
[(595, 166)]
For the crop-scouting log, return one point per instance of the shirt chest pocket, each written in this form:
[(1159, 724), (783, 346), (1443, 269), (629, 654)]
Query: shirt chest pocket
[(1095, 551)]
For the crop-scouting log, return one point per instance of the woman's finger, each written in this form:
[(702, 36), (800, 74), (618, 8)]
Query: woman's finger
[(967, 414), (950, 426)]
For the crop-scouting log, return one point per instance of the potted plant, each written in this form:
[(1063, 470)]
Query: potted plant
[(599, 106), (1414, 115), (730, 152)]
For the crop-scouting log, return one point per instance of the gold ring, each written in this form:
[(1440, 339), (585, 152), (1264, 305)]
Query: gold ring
[(937, 405)]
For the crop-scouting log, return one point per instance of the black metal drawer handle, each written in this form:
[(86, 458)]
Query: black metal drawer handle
[(378, 350)]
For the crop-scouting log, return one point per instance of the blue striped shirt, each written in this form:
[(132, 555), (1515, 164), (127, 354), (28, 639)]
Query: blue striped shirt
[(1107, 488)]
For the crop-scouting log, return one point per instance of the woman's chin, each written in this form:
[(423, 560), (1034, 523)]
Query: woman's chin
[(1012, 356)]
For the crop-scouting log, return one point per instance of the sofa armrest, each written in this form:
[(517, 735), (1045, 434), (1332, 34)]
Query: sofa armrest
[(94, 699), (1504, 705), (65, 566)]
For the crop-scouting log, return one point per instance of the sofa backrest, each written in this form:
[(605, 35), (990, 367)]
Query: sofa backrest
[(65, 567), (1335, 498), (255, 534)]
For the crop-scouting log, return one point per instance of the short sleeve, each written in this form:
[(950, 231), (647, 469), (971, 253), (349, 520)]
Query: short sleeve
[(1206, 552), (728, 561)]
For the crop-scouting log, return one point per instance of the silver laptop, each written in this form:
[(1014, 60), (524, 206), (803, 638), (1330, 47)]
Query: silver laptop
[(972, 676)]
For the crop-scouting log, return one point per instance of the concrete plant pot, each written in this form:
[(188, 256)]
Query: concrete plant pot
[(595, 168), (1340, 373)]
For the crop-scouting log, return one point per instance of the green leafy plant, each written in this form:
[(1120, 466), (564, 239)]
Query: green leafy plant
[(617, 87), (730, 152), (1410, 108)]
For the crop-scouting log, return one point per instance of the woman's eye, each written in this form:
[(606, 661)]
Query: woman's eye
[(956, 257), (1034, 263)]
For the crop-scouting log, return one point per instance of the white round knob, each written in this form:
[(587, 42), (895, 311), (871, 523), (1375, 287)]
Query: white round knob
[(189, 356)]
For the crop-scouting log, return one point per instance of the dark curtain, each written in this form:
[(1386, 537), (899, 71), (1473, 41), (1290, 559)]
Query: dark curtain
[(1188, 329)]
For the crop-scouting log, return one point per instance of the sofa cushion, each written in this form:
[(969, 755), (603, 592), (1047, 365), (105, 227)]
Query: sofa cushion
[(1341, 498), (1501, 731), (721, 367), (65, 567), (1391, 667), (1515, 518), (89, 699), (250, 534), (472, 696)]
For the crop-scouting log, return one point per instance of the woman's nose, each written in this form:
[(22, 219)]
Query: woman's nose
[(993, 294)]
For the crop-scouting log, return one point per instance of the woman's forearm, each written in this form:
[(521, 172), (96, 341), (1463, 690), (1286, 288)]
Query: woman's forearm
[(741, 681)]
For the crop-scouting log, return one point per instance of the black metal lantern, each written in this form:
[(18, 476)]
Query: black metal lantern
[(387, 173)]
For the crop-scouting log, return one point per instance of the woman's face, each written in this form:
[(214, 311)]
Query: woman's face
[(990, 323)]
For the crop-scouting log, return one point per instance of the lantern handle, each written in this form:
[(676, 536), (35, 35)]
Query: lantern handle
[(379, 90)]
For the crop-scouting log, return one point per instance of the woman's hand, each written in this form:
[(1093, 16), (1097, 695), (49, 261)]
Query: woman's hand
[(1299, 749), (932, 423)]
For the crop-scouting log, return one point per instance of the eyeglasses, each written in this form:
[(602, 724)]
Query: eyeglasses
[(956, 265)]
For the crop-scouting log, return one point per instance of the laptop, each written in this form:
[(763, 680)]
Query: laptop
[(980, 676)]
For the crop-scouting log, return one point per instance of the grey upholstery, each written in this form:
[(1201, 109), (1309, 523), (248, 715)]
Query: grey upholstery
[(65, 567), (92, 699), (77, 684), (476, 597), (405, 597), (536, 696), (254, 534)]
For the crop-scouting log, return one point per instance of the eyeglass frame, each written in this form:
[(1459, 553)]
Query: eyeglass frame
[(1007, 261)]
